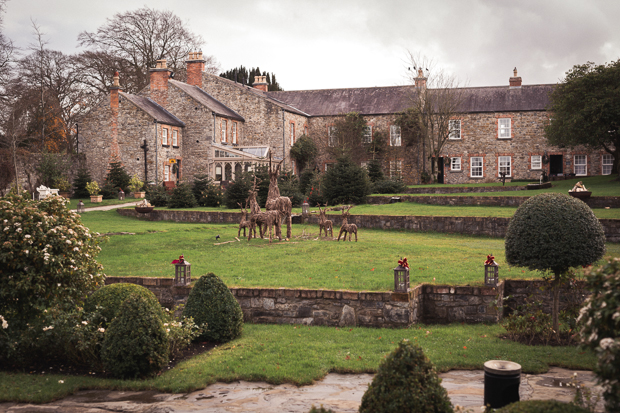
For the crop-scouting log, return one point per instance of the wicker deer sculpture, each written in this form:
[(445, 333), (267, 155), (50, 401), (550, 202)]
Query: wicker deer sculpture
[(346, 227), (324, 223), (264, 220), (245, 221), (275, 202)]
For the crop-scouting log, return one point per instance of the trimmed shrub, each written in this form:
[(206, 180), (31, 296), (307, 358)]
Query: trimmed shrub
[(210, 302), (542, 406), (110, 298), (406, 382), (389, 186), (320, 410), (182, 197), (135, 344)]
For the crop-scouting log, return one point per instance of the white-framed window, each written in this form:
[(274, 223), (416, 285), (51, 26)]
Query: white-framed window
[(218, 172), (505, 165), (396, 169), (455, 163), (455, 129), (164, 136), (503, 128), (475, 166), (608, 163), (292, 133), (166, 172), (329, 166), (224, 127), (331, 136), (367, 134), (536, 161), (234, 133), (581, 165), (175, 139), (395, 135), (293, 167)]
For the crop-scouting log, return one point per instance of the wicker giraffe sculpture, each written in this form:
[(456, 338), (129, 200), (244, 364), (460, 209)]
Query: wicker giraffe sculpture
[(324, 223), (264, 220), (346, 227), (275, 202)]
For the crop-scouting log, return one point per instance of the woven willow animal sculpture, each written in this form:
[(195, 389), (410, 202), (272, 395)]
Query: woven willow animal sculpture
[(245, 221), (324, 223), (346, 227), (275, 202), (264, 220)]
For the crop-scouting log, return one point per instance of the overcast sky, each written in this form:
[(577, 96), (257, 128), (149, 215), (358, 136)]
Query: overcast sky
[(321, 44)]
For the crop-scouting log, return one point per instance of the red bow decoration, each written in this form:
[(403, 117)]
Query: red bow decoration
[(403, 263), (181, 260), (490, 260)]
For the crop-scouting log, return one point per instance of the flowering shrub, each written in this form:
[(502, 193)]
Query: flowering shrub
[(599, 320), (180, 332), (93, 188), (47, 259)]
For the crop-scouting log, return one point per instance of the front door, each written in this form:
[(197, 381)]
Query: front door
[(440, 171), (555, 164)]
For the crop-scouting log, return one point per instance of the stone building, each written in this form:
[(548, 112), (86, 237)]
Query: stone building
[(174, 130)]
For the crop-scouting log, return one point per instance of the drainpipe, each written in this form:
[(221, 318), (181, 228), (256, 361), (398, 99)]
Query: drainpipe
[(213, 113), (156, 155), (283, 140)]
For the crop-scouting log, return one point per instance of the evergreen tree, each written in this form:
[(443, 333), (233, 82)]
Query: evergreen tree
[(304, 151), (206, 192), (375, 171), (346, 182), (247, 77), (182, 197), (117, 177), (79, 183), (237, 191)]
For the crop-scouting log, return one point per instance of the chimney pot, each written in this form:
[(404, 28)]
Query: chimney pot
[(515, 81)]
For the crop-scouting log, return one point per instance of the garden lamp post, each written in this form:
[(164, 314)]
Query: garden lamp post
[(121, 194), (491, 272), (182, 271), (401, 276), (80, 207)]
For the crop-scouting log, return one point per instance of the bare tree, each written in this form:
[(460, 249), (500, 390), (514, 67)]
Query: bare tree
[(437, 98), (137, 39)]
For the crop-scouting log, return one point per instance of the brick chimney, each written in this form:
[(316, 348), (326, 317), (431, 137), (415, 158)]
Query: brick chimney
[(115, 89), (420, 81), (159, 76), (260, 83), (515, 81), (195, 65)]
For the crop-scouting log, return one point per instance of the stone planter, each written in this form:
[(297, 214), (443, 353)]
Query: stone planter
[(144, 210), (583, 195), (65, 194), (96, 198), (139, 194), (539, 186)]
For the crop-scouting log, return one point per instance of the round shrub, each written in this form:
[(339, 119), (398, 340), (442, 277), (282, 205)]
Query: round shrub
[(554, 232), (111, 297), (210, 302), (135, 344), (406, 382), (542, 406)]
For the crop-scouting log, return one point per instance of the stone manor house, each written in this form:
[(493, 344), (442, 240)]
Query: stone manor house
[(173, 130)]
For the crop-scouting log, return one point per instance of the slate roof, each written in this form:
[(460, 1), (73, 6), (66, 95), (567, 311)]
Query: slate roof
[(157, 112), (207, 100), (386, 100)]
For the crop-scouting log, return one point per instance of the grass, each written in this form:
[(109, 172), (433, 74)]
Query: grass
[(87, 204), (300, 355), (602, 185), (359, 266)]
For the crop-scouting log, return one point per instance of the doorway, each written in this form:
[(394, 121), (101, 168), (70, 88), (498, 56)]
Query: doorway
[(556, 164), (440, 169)]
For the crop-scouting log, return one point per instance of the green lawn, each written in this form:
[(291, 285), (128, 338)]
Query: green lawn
[(606, 185), (303, 262), (300, 354)]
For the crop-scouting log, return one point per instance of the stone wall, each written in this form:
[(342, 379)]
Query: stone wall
[(488, 226), (460, 190), (593, 202), (447, 304), (520, 292)]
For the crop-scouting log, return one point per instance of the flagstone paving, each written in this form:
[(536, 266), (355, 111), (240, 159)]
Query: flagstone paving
[(339, 392)]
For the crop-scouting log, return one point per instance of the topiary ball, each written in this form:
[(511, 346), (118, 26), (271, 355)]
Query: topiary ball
[(542, 406), (406, 382), (111, 297), (211, 302), (554, 232), (135, 344)]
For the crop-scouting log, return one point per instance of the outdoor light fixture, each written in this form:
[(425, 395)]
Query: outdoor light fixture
[(401, 276), (121, 195), (182, 271), (305, 208), (80, 207), (491, 272)]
